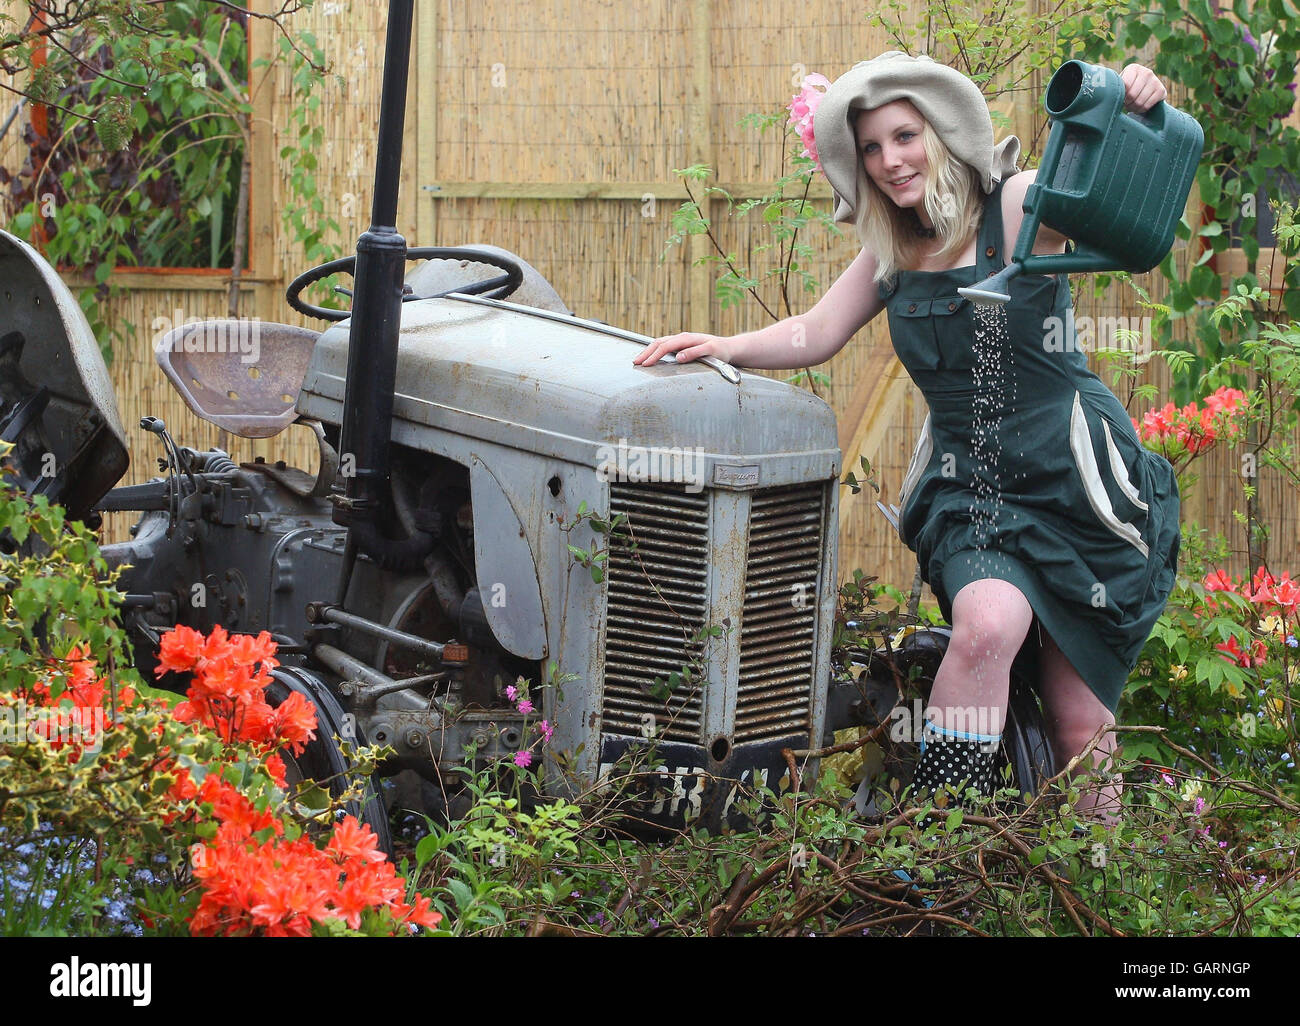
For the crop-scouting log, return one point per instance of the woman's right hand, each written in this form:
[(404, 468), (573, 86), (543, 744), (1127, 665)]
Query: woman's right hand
[(688, 345)]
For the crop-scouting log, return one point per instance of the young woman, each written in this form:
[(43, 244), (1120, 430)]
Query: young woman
[(1030, 501)]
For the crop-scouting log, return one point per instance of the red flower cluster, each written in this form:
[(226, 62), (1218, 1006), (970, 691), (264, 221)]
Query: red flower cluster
[(1275, 595), (1194, 427), (77, 716), (1255, 657), (1279, 595), (254, 879), (228, 692), (1270, 595), (279, 887)]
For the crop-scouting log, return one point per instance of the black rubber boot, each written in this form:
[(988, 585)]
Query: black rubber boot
[(956, 758)]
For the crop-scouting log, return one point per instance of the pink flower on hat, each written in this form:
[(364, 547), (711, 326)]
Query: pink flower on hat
[(802, 107)]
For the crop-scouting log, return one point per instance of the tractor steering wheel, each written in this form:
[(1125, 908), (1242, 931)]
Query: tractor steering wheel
[(493, 288)]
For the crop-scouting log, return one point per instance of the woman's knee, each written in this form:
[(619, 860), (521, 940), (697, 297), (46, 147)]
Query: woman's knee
[(990, 621)]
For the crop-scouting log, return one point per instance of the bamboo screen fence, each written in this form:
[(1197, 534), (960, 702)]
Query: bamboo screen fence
[(552, 129)]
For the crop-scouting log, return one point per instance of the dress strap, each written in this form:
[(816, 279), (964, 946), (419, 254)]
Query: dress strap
[(989, 257), (886, 287)]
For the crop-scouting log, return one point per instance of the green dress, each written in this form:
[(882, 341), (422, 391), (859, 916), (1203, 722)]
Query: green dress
[(1028, 468)]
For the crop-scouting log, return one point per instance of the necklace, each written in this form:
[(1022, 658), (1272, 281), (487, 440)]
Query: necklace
[(920, 230)]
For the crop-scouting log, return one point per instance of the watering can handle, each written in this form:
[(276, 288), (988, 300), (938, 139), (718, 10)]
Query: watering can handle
[(1080, 261), (1030, 224)]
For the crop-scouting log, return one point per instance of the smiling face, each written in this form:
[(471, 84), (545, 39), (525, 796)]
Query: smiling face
[(893, 155)]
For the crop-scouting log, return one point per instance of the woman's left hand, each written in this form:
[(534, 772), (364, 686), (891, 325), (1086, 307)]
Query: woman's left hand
[(1142, 90)]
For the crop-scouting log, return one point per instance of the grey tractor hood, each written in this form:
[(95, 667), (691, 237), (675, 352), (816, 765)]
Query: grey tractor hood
[(566, 388)]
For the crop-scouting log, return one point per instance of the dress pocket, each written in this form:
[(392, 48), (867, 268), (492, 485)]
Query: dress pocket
[(954, 332), (913, 339), (1120, 506)]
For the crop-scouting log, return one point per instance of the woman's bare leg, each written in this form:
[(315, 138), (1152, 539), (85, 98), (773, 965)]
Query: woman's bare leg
[(990, 621), (1074, 714)]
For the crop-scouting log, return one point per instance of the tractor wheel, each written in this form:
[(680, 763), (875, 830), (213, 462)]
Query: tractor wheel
[(322, 759)]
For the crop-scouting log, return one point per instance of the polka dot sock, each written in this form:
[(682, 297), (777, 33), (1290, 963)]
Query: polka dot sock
[(957, 758)]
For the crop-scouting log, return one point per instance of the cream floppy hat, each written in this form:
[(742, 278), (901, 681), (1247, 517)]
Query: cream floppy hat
[(949, 101)]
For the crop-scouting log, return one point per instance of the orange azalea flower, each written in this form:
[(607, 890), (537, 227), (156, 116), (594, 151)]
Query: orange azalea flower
[(351, 902), (275, 766), (353, 840), (179, 650), (248, 650), (1219, 580), (233, 810), (294, 722), (422, 913)]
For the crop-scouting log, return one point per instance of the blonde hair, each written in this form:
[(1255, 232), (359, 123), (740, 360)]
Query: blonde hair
[(953, 199)]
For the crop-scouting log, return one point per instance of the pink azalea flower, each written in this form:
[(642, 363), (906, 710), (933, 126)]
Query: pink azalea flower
[(1219, 581), (802, 107), (523, 759)]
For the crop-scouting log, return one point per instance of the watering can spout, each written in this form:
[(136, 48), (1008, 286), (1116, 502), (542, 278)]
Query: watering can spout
[(1114, 183), (994, 289)]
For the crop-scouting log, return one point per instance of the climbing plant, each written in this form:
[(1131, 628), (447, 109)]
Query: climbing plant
[(135, 123), (1237, 65)]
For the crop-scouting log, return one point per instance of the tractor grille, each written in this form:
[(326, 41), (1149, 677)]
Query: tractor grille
[(778, 622), (658, 582)]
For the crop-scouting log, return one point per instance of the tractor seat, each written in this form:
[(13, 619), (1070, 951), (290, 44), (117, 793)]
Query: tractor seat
[(241, 375)]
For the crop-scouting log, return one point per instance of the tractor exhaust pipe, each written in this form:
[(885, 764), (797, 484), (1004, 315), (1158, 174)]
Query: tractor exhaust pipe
[(376, 323)]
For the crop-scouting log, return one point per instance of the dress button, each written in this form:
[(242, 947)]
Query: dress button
[(951, 307), (912, 308), (990, 251)]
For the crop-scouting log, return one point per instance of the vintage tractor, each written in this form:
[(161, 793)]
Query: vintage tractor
[(501, 494)]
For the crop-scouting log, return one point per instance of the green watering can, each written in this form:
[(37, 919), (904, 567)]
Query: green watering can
[(1113, 183)]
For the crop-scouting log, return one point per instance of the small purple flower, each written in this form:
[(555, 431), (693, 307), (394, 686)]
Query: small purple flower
[(511, 691), (525, 706), (1223, 844), (1169, 781), (575, 894), (654, 923), (1291, 640), (1200, 807)]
